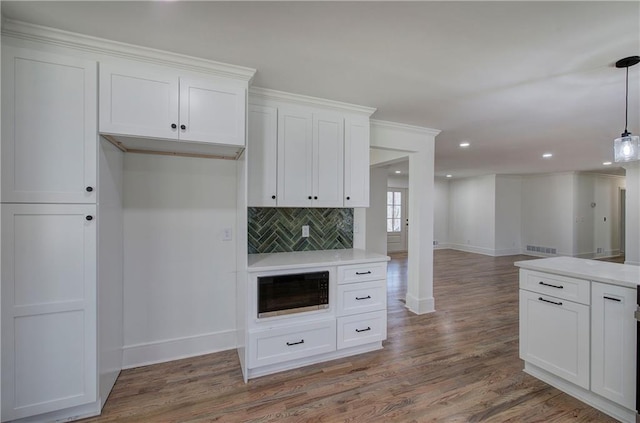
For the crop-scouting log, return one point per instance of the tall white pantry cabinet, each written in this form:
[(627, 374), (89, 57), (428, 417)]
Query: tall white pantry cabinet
[(57, 353), (61, 211)]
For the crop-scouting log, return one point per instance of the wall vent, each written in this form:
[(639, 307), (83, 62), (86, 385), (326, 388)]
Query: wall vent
[(542, 250)]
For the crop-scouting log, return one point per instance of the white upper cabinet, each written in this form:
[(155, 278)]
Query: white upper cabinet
[(49, 128), (306, 152), (262, 158), (211, 112), (138, 101), (155, 102), (295, 158), (356, 162), (328, 160), (310, 159)]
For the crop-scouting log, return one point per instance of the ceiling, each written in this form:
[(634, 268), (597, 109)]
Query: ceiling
[(514, 79)]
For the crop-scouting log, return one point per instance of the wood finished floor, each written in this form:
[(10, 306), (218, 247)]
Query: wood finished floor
[(459, 364)]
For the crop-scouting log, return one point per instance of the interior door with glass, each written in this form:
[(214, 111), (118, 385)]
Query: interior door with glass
[(397, 220)]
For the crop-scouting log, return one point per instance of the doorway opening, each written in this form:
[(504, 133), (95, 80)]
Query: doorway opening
[(397, 220)]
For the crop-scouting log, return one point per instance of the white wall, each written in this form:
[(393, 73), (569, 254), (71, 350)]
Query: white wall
[(632, 235), (508, 218), (472, 214), (110, 267), (376, 219), (398, 181), (547, 211), (179, 284), (441, 212)]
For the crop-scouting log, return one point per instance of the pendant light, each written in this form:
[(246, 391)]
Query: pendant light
[(627, 147)]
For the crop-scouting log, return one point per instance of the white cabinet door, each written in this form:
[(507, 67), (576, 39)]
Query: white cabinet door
[(262, 156), (295, 158), (48, 308), (211, 112), (139, 101), (554, 335), (328, 163), (613, 343), (49, 128), (356, 163)]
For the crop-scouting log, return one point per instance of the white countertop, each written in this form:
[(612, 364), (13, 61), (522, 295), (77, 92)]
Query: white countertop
[(301, 259), (613, 273)]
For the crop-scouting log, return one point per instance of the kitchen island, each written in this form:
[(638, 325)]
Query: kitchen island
[(578, 330)]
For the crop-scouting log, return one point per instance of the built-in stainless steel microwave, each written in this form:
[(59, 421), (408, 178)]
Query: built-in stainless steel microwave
[(296, 293)]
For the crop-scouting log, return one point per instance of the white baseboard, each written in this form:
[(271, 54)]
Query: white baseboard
[(473, 249), (507, 252), (608, 407), (420, 305), (174, 349)]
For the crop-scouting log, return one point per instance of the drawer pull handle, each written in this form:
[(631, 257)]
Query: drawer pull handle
[(363, 330), (368, 272), (368, 297), (290, 344), (611, 298), (551, 285), (549, 301)]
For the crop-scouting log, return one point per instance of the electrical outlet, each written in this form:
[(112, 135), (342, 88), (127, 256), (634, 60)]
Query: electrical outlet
[(227, 234), (305, 231), (356, 228)]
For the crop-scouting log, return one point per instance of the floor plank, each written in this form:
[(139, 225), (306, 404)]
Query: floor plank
[(459, 364)]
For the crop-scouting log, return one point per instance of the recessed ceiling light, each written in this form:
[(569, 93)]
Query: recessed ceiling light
[(547, 155), (449, 176), (397, 171), (464, 144), (606, 163)]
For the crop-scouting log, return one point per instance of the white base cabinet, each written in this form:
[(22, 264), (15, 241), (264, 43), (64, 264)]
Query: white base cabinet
[(580, 336), (355, 322), (49, 345), (613, 343), (554, 335)]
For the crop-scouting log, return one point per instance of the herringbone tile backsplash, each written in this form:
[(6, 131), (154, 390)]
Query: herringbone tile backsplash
[(277, 230)]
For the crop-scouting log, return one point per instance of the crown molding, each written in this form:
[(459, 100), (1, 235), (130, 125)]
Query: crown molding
[(404, 127), (303, 100), (86, 43)]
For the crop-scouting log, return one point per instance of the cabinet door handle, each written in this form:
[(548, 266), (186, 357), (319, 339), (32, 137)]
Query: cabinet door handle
[(363, 330), (183, 127), (368, 297), (549, 301), (310, 197), (89, 217), (89, 189), (290, 344), (174, 126), (612, 299), (315, 197), (348, 198), (368, 272), (273, 197), (551, 285)]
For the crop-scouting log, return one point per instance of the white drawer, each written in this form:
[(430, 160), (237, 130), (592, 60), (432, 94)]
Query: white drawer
[(564, 287), (291, 342), (362, 329), (362, 272), (362, 297)]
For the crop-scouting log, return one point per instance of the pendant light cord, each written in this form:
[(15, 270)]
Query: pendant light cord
[(626, 102)]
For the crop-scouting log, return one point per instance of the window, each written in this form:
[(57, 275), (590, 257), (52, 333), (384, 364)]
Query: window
[(394, 214)]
